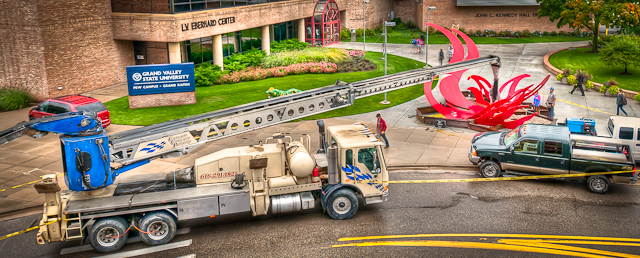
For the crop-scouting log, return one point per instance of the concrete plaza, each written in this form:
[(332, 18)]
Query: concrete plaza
[(26, 159)]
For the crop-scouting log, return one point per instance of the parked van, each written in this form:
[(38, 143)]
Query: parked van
[(626, 129)]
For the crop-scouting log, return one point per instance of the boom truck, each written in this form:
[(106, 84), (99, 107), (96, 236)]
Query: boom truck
[(278, 175)]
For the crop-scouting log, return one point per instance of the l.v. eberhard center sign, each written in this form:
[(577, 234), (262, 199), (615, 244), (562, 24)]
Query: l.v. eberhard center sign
[(161, 85)]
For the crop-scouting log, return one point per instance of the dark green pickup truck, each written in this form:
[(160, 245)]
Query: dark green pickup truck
[(546, 149)]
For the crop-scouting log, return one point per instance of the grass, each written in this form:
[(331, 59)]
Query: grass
[(223, 96), (591, 63), (441, 39)]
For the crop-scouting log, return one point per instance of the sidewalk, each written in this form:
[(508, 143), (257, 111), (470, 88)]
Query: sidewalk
[(26, 159)]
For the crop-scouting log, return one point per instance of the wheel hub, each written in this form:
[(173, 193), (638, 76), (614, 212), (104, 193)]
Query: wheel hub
[(158, 230), (108, 237), (342, 205)]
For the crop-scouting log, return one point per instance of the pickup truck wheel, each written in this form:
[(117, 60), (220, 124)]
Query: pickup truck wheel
[(598, 184), (490, 168), (343, 204), (159, 228), (108, 234)]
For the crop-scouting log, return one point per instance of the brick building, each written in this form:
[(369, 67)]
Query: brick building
[(62, 47)]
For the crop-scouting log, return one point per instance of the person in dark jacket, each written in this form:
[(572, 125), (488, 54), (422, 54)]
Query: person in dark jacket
[(621, 101), (441, 57), (381, 127), (579, 81)]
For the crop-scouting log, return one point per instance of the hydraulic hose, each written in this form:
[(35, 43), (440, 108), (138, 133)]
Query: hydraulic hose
[(106, 169)]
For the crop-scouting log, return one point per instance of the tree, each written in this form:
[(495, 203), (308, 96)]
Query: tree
[(591, 14), (621, 51)]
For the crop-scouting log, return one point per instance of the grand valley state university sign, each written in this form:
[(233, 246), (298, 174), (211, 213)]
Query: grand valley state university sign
[(161, 85)]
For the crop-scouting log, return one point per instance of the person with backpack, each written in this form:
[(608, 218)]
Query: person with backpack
[(414, 42), (621, 101), (579, 81), (441, 57)]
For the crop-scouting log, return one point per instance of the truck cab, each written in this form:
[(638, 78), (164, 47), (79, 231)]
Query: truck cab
[(627, 130)]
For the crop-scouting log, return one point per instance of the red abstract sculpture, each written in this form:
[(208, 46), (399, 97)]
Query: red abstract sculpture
[(482, 111)]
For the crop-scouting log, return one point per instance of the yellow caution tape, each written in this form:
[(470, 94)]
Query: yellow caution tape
[(494, 178), (26, 230), (32, 182)]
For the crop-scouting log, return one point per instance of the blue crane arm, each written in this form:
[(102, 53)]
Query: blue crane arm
[(79, 123)]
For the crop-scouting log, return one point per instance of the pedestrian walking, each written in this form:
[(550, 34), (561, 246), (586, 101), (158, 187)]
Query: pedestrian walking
[(420, 43), (441, 57), (551, 102), (414, 43), (536, 102), (579, 81), (450, 52), (381, 128), (621, 101)]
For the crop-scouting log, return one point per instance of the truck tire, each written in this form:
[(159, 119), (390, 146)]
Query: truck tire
[(342, 204), (598, 184), (108, 234), (490, 168), (161, 228)]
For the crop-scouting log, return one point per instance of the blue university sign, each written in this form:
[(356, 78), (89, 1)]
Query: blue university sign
[(160, 78)]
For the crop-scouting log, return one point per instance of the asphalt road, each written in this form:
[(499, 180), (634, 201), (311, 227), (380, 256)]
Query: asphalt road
[(478, 219)]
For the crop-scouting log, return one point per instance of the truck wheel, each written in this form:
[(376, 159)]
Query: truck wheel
[(598, 184), (108, 234), (343, 204), (160, 228), (490, 168)]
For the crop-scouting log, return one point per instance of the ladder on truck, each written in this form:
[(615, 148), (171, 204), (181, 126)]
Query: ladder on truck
[(180, 136)]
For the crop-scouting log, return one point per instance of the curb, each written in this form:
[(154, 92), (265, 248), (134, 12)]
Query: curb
[(596, 86), (426, 166)]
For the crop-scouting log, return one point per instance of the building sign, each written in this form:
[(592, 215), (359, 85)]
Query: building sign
[(207, 23), (505, 15), (160, 78)]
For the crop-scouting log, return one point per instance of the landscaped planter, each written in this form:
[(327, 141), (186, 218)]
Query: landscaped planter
[(564, 80)]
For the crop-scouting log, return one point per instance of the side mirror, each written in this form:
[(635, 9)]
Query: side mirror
[(375, 158)]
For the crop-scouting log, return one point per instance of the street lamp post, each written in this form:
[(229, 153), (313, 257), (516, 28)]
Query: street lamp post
[(426, 47), (385, 101), (364, 25)]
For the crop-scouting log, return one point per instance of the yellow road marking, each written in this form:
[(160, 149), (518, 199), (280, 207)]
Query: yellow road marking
[(474, 245), (534, 243), (578, 105), (32, 182), (586, 242), (495, 236)]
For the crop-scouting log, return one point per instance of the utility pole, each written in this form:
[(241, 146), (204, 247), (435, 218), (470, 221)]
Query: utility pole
[(364, 25), (426, 47), (385, 101)]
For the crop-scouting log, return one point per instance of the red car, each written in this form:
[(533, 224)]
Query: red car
[(51, 107)]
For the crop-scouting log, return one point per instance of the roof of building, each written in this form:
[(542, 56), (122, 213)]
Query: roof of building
[(546, 131), (353, 136), (77, 100)]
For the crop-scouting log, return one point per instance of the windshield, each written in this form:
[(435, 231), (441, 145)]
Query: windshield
[(511, 136), (93, 107)]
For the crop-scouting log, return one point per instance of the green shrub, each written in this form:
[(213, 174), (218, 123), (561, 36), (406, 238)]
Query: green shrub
[(401, 26), (370, 32), (589, 85), (504, 33), (559, 77), (312, 54), (345, 34), (546, 33), (239, 62), (251, 43), (571, 80), (517, 34), (411, 25), (290, 44), (613, 90), (553, 33), (637, 97), (359, 32), (603, 89), (526, 33), (566, 71), (14, 96), (478, 33), (397, 20), (562, 33), (207, 74)]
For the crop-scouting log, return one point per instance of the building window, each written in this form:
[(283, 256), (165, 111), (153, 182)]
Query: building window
[(177, 6), (285, 30), (197, 50)]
